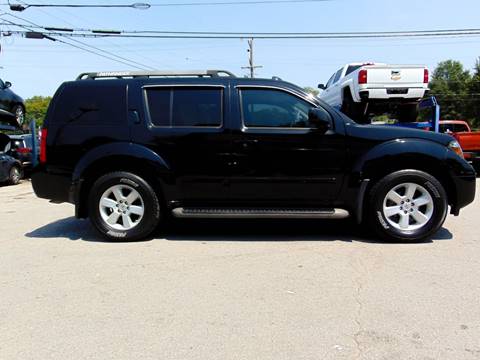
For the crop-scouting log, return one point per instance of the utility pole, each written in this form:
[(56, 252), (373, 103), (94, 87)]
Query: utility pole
[(251, 65)]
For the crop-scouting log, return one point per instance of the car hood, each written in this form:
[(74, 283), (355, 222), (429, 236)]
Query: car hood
[(385, 133)]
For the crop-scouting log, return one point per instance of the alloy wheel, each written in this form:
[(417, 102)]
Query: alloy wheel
[(121, 207), (408, 207)]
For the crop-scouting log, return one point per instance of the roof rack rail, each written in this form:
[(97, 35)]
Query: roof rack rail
[(153, 74)]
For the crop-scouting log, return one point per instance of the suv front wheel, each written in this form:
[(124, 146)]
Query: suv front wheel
[(123, 207), (407, 205)]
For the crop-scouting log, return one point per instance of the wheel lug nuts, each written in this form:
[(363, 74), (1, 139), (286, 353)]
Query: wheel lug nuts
[(406, 212)]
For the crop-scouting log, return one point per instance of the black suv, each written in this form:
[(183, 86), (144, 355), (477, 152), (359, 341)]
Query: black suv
[(132, 149)]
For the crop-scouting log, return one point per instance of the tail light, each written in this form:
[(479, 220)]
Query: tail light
[(24, 150), (425, 76), (362, 76), (43, 146)]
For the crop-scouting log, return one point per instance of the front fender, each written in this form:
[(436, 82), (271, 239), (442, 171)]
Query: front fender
[(390, 153)]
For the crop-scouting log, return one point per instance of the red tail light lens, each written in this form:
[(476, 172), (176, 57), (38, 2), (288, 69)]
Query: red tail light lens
[(362, 77), (24, 150), (43, 146), (425, 76)]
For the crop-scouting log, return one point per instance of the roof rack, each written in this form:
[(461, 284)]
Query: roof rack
[(153, 74)]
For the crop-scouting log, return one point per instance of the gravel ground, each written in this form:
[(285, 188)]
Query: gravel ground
[(233, 290)]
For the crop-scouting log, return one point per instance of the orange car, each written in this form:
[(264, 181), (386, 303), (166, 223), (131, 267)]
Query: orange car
[(469, 140)]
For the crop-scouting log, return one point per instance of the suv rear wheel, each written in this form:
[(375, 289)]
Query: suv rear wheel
[(123, 206), (407, 205)]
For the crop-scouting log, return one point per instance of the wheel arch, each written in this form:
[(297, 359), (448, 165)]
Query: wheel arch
[(128, 157), (391, 157)]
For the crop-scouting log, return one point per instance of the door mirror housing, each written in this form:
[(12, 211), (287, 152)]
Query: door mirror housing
[(7, 84), (322, 86), (320, 119)]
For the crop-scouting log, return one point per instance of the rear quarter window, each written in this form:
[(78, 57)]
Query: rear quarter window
[(95, 103)]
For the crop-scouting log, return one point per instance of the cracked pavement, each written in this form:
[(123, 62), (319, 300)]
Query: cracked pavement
[(233, 290)]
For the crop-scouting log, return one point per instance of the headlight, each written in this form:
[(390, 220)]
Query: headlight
[(456, 148)]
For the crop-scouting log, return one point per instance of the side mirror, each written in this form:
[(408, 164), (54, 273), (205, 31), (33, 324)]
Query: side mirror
[(322, 86), (320, 119), (7, 84)]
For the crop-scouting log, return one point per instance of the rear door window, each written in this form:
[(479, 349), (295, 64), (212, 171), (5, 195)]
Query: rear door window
[(185, 106)]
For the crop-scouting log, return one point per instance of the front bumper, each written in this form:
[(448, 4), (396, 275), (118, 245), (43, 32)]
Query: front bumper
[(464, 180)]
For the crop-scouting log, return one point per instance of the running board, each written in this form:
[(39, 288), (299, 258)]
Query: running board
[(254, 213)]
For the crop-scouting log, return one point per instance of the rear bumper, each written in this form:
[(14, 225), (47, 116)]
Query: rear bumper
[(389, 93), (49, 186)]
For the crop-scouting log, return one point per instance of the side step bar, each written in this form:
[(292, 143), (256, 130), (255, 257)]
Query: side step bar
[(254, 213)]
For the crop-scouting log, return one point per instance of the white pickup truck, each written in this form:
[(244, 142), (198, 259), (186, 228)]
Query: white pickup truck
[(361, 89)]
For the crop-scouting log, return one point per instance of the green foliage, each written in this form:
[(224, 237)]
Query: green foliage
[(475, 95), (36, 108), (311, 90), (451, 84)]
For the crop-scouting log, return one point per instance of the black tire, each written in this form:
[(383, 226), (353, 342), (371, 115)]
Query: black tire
[(150, 202), (407, 112), (382, 226), (15, 175), (352, 109)]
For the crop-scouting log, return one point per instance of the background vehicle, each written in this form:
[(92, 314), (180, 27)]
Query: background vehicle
[(208, 144), (21, 149), (468, 139), (11, 102), (10, 168), (360, 88)]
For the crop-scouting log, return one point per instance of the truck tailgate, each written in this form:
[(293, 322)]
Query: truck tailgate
[(389, 75)]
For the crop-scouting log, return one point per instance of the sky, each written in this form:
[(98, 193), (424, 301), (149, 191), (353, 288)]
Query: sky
[(38, 67)]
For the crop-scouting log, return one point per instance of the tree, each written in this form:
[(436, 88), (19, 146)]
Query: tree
[(451, 86), (311, 90), (36, 108), (475, 95)]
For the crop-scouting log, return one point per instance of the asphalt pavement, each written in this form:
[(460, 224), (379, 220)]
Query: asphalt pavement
[(233, 290)]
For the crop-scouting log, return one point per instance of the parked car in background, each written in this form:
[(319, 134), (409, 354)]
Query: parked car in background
[(469, 140), (206, 145), (11, 102), (358, 89), (22, 150), (11, 170)]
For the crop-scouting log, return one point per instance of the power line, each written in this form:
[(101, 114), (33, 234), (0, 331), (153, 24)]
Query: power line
[(334, 35), (137, 54), (111, 56), (25, 6), (145, 6)]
